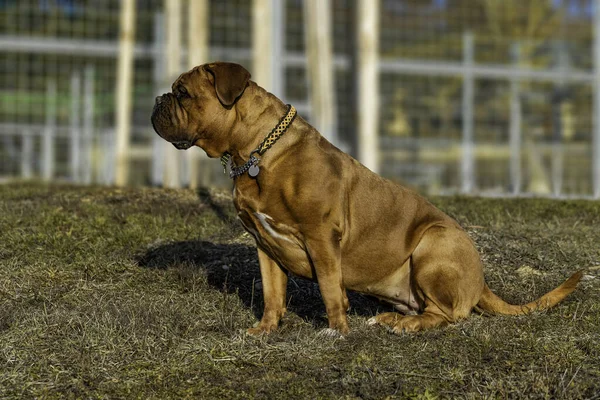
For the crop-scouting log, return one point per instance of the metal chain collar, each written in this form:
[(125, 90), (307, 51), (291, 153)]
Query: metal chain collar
[(234, 172), (252, 164), (278, 131)]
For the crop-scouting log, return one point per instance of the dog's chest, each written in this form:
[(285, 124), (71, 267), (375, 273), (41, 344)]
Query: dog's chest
[(265, 229), (264, 222), (280, 240)]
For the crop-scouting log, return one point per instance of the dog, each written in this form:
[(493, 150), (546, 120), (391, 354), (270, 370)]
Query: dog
[(317, 213)]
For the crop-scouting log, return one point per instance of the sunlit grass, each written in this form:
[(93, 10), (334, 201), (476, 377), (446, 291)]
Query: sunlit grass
[(147, 293)]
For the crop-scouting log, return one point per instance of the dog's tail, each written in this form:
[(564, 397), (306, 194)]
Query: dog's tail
[(491, 303)]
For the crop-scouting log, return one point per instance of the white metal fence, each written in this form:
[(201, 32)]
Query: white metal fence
[(476, 96)]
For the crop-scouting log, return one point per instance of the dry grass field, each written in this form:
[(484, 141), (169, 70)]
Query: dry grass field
[(146, 293)]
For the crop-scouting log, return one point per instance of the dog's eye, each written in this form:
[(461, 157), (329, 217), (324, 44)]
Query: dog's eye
[(182, 91)]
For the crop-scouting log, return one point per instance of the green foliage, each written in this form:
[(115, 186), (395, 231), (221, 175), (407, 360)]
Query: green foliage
[(146, 293)]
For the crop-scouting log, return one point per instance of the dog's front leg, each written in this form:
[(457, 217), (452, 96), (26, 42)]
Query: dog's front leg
[(274, 282), (325, 255)]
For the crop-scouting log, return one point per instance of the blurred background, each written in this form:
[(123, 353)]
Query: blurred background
[(482, 97)]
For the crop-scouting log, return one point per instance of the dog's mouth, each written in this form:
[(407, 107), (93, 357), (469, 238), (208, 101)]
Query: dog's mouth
[(182, 145)]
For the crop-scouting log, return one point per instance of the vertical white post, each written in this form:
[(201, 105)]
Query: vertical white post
[(198, 48), (558, 122), (49, 132), (268, 45), (468, 159), (557, 150), (262, 43), (158, 147), (278, 49), (172, 157), (198, 32), (107, 143), (75, 140), (88, 124), (515, 134), (558, 166), (27, 155), (368, 82), (515, 141), (596, 114), (124, 84), (321, 73)]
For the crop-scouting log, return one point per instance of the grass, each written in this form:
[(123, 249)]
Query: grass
[(146, 293)]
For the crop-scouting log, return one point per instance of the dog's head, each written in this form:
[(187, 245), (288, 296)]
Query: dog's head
[(197, 110)]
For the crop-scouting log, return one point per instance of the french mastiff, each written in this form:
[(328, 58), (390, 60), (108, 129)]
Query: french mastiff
[(316, 212)]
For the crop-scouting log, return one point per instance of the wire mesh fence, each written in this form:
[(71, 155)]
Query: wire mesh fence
[(512, 77), (479, 96)]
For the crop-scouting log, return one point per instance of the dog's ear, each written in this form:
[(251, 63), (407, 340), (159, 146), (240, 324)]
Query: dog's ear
[(230, 81)]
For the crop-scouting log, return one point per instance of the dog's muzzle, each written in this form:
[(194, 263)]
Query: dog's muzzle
[(162, 126), (157, 110)]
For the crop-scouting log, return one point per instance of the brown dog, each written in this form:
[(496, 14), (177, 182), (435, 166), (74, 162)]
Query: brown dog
[(318, 213)]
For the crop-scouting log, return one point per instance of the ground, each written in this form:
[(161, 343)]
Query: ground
[(146, 293)]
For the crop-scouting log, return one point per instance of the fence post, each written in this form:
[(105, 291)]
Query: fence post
[(107, 169), (278, 33), (75, 139), (262, 43), (268, 45), (198, 49), (321, 72), (172, 160), (367, 17), (124, 83), (515, 141), (596, 113), (515, 137), (27, 154), (49, 131), (159, 83), (558, 123), (468, 160), (88, 124)]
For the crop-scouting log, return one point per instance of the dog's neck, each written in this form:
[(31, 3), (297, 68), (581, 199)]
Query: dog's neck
[(269, 117)]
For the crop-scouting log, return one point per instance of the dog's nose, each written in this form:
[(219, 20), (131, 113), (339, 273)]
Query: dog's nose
[(158, 99)]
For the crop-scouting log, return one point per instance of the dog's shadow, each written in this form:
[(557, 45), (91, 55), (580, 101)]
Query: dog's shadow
[(233, 268)]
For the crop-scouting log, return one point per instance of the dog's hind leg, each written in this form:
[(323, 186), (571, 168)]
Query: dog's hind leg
[(447, 278), (447, 275)]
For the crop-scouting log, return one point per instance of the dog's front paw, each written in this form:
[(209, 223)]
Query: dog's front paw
[(261, 329), (331, 333), (337, 329)]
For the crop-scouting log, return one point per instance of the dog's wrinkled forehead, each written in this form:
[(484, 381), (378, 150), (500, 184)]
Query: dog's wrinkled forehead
[(187, 79)]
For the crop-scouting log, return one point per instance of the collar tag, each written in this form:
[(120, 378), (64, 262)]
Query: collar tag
[(253, 171)]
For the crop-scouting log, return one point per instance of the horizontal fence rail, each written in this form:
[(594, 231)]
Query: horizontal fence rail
[(501, 128)]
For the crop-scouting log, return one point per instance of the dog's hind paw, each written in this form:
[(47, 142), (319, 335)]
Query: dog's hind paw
[(331, 333)]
